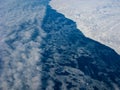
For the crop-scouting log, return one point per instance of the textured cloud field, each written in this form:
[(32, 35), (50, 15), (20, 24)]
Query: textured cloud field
[(20, 38), (98, 20)]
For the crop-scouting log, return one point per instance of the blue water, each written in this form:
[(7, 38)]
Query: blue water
[(66, 40)]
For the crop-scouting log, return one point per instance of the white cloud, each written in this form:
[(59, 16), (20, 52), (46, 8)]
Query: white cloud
[(19, 65)]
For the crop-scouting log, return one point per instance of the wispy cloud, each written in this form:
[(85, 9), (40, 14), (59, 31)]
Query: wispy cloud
[(19, 20)]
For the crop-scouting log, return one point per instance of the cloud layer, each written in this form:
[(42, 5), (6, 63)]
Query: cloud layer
[(20, 39)]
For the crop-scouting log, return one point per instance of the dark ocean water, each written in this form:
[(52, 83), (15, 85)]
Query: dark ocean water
[(65, 46)]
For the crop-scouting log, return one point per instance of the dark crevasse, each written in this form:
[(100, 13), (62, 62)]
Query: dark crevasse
[(70, 61)]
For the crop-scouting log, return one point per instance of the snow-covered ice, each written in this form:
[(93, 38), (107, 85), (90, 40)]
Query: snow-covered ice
[(98, 20)]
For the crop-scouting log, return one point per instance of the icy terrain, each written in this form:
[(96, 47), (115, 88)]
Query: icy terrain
[(41, 49), (97, 19)]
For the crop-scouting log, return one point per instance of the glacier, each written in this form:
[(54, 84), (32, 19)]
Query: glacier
[(98, 20)]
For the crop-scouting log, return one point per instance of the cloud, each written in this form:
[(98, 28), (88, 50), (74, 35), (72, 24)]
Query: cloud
[(19, 20)]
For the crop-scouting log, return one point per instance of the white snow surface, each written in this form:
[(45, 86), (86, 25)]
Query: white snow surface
[(97, 19)]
